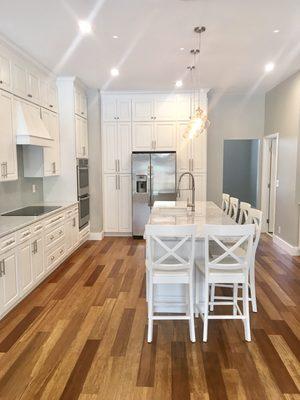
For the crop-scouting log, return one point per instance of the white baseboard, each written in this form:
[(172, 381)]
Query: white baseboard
[(292, 250), (96, 235), (125, 234)]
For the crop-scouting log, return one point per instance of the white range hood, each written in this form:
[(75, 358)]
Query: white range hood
[(30, 128)]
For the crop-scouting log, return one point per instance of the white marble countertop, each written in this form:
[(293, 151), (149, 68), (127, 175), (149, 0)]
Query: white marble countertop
[(10, 224), (176, 213)]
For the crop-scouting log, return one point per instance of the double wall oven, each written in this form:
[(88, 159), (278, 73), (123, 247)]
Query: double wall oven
[(83, 191)]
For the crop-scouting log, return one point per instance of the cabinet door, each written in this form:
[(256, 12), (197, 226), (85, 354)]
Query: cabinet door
[(37, 257), (165, 136), (78, 133), (142, 136), (19, 78), (10, 281), (77, 99), (69, 234), (183, 107), (125, 211), (5, 72), (165, 107), (124, 144), (52, 97), (8, 149), (84, 138), (33, 85), (83, 102), (142, 108), (183, 149), (124, 109), (44, 93), (199, 150), (25, 267), (200, 187), (109, 109), (52, 153), (111, 204), (110, 147)]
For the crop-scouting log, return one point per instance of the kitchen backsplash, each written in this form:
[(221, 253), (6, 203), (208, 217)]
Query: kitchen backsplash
[(18, 193)]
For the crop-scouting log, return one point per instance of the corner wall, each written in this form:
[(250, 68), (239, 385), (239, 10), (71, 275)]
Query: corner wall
[(282, 116), (232, 116)]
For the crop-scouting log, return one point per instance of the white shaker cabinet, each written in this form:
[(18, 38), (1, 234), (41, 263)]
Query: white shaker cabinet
[(33, 85), (52, 153), (8, 150), (154, 136), (81, 137), (80, 101), (5, 71), (25, 267), (125, 211), (19, 84), (9, 278), (111, 203), (142, 108), (165, 107), (116, 141), (117, 203), (183, 107), (116, 109), (37, 257)]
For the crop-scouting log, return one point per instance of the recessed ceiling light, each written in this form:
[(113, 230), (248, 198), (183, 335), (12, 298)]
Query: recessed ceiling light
[(115, 37), (276, 31), (181, 48), (269, 67), (178, 84), (114, 72), (85, 27)]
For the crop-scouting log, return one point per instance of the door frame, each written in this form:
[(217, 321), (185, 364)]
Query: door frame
[(265, 179)]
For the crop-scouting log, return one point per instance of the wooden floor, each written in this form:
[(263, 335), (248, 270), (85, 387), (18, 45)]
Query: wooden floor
[(81, 334)]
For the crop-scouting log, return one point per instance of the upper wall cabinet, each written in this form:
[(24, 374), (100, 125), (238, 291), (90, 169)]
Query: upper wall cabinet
[(48, 94), (81, 137), (33, 85), (19, 85), (80, 101), (5, 71), (8, 152), (161, 107), (116, 109)]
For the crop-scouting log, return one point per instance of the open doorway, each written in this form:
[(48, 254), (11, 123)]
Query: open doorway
[(269, 182)]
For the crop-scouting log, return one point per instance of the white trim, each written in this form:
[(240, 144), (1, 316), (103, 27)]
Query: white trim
[(137, 92), (264, 179), (292, 250), (96, 235), (117, 234)]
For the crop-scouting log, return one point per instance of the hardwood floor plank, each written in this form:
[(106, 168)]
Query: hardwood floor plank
[(19, 330), (94, 275), (122, 337), (116, 268), (147, 361), (77, 378), (215, 382), (275, 364), (180, 372)]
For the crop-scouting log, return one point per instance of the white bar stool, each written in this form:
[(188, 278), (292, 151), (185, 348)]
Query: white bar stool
[(170, 260), (230, 267), (225, 202), (233, 207), (244, 209)]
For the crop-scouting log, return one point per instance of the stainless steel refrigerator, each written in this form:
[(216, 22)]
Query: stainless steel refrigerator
[(153, 178)]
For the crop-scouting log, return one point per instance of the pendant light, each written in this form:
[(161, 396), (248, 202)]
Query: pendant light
[(199, 121)]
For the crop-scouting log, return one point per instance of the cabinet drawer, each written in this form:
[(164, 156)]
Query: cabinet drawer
[(55, 235), (24, 234), (49, 223), (37, 228), (7, 242), (54, 257)]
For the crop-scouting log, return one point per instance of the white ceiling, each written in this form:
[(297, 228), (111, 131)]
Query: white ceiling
[(238, 42)]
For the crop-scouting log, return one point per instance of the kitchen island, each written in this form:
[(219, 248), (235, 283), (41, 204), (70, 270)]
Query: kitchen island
[(176, 213)]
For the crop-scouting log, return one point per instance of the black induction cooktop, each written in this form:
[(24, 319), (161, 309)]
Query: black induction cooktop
[(31, 211)]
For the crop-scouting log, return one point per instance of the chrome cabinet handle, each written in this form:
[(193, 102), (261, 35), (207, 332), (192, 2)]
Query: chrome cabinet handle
[(26, 234), (1, 82), (3, 170), (55, 219), (1, 262), (119, 182), (53, 168), (6, 169), (52, 258), (51, 105), (51, 237), (74, 221), (116, 182), (9, 242), (116, 165), (3, 267), (29, 95)]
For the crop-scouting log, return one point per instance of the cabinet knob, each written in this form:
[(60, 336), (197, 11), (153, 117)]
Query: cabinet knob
[(52, 258), (29, 95), (1, 82), (51, 105)]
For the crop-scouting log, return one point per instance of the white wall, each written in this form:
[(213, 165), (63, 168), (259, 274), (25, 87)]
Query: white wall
[(232, 116)]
